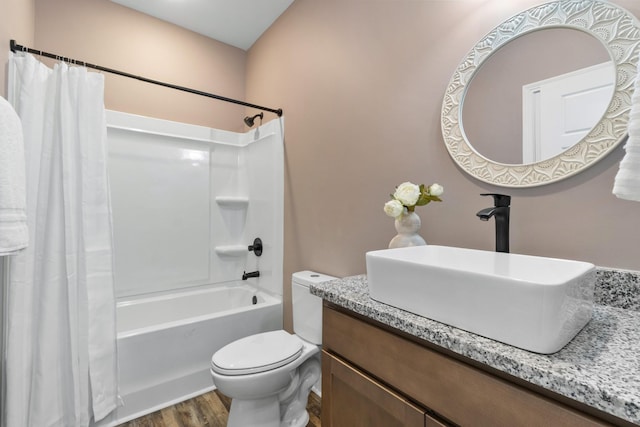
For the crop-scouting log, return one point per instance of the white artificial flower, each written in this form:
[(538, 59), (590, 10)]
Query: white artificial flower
[(407, 193), (436, 190), (393, 208)]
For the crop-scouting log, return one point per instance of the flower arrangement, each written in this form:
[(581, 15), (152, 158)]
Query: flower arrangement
[(408, 195)]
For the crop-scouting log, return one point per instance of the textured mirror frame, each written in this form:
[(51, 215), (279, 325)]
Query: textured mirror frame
[(619, 32)]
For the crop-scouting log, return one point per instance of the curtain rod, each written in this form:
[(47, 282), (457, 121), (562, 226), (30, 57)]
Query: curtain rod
[(16, 47)]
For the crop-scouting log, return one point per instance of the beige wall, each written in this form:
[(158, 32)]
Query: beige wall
[(16, 22), (361, 85), (105, 33)]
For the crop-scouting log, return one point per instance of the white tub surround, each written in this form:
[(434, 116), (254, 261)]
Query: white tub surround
[(187, 199)]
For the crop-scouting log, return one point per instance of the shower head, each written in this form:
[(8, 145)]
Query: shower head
[(250, 120)]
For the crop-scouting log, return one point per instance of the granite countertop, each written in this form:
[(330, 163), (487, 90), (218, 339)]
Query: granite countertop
[(599, 367)]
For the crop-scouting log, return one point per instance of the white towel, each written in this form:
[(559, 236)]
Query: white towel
[(627, 181), (14, 235)]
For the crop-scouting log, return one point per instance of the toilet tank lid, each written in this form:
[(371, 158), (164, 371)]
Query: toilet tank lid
[(307, 277)]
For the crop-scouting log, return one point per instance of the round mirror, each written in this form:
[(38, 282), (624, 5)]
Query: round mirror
[(542, 72), (544, 95)]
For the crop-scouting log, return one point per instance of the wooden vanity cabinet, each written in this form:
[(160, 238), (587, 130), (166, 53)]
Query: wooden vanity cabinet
[(372, 376), (357, 400)]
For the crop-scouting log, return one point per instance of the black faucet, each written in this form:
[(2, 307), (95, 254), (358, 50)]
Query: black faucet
[(246, 275), (500, 211)]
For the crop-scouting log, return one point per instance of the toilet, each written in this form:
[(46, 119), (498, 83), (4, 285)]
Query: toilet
[(269, 375)]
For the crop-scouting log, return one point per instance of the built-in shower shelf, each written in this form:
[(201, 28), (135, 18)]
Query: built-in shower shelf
[(237, 202), (231, 250)]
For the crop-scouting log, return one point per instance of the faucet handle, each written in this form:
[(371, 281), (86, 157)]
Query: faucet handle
[(499, 200)]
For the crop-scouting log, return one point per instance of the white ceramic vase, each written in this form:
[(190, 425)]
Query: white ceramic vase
[(407, 226)]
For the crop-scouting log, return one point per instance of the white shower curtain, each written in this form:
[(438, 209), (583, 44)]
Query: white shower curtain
[(61, 336)]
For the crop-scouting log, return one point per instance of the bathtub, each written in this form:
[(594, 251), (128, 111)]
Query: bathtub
[(165, 343)]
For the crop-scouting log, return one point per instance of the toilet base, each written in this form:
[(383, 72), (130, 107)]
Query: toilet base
[(285, 409), (254, 413)]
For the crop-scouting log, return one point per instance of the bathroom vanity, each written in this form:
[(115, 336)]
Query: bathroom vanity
[(384, 367)]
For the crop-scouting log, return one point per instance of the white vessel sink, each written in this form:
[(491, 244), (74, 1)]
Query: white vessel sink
[(534, 303)]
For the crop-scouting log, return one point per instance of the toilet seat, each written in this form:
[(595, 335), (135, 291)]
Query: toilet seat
[(257, 353)]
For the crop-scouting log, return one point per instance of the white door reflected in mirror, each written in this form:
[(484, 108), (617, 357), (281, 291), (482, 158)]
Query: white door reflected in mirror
[(558, 112)]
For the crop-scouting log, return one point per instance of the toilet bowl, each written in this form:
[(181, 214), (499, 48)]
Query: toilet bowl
[(269, 375)]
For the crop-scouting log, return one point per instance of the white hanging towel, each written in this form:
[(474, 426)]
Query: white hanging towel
[(14, 235), (627, 181)]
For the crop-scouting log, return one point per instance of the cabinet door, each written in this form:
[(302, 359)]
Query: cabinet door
[(352, 399)]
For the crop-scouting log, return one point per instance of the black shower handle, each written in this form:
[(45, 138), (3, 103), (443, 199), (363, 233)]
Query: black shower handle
[(256, 248)]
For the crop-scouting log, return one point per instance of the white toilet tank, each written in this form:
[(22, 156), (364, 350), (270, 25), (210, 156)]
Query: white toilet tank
[(307, 308)]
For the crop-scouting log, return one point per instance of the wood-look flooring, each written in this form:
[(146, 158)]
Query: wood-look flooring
[(208, 410)]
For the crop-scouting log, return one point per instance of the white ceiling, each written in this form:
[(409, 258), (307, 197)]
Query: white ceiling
[(236, 22)]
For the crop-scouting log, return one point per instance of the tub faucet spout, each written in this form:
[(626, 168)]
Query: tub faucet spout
[(501, 214), (246, 275)]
